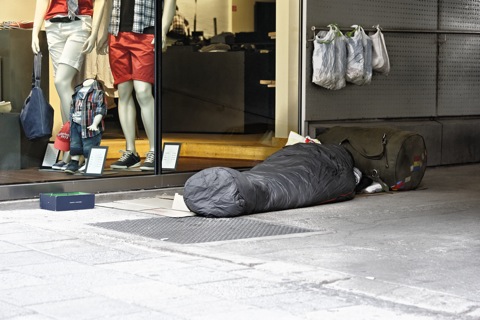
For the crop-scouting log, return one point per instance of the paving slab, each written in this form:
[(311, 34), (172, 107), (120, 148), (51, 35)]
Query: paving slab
[(403, 255)]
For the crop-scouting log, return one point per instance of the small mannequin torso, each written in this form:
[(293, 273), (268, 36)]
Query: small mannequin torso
[(77, 114), (88, 82)]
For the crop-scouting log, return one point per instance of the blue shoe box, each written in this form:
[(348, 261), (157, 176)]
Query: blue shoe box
[(67, 201)]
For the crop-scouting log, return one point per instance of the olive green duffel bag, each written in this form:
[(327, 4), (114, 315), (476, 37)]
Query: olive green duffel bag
[(395, 157)]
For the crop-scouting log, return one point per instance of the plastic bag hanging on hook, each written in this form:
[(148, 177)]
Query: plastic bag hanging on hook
[(367, 52), (380, 59), (323, 58), (340, 59), (359, 57), (329, 59), (355, 57)]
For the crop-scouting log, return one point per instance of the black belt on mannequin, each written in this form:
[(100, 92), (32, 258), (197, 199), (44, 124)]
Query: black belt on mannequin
[(63, 19)]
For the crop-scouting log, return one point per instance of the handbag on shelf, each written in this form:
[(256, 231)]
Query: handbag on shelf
[(36, 116)]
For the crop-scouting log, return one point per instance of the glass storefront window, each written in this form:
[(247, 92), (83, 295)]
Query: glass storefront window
[(218, 93), (217, 103)]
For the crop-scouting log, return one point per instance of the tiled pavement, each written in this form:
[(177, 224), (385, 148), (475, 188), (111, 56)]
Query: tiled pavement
[(410, 255)]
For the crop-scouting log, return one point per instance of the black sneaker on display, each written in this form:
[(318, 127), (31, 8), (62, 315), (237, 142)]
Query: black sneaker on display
[(149, 163), (72, 167), (60, 165), (127, 160)]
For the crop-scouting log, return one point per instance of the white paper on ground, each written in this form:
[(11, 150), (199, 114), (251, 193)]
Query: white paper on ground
[(179, 203)]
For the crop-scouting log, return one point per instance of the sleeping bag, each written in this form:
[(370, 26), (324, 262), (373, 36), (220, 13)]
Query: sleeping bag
[(299, 175)]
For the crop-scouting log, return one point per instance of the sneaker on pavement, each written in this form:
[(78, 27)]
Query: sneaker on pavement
[(60, 165), (127, 160), (72, 167), (149, 163)]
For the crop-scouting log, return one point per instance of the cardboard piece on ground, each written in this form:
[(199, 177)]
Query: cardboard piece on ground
[(179, 203), (139, 204), (170, 213)]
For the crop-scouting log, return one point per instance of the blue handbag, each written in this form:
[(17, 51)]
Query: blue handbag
[(36, 116)]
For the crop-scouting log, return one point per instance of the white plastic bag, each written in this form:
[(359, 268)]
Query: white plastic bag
[(323, 58), (340, 60), (355, 57), (367, 53), (329, 59), (359, 57), (380, 59)]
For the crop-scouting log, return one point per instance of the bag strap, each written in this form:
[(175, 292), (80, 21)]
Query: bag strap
[(37, 70), (360, 150), (377, 156), (376, 177)]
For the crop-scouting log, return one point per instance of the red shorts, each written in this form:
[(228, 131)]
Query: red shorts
[(131, 57)]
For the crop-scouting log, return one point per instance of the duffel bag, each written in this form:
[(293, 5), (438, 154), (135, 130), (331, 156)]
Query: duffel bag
[(393, 157)]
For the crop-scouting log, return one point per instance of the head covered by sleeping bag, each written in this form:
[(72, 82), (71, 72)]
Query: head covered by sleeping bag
[(299, 175)]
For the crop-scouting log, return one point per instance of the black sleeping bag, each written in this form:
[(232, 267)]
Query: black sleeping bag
[(300, 175)]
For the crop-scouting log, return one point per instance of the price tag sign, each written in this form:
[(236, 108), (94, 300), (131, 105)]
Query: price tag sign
[(170, 154), (50, 157), (96, 161)]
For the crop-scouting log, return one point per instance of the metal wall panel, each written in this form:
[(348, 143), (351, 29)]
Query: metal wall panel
[(459, 75), (459, 15), (434, 48), (409, 90), (392, 14), (460, 141), (459, 70)]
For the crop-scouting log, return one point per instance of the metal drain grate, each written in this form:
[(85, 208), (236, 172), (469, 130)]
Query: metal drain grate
[(197, 229)]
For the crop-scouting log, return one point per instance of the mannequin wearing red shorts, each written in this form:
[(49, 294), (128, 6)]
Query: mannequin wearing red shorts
[(132, 61), (69, 38)]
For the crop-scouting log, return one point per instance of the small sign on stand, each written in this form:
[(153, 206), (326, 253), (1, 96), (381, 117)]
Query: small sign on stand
[(170, 154), (51, 156), (96, 161)]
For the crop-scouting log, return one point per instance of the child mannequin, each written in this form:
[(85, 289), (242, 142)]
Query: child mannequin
[(86, 126), (70, 35), (132, 60)]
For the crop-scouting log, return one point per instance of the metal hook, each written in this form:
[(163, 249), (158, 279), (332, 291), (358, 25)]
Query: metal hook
[(444, 40)]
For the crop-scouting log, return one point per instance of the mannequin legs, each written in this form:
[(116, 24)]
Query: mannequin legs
[(128, 118), (127, 113), (132, 62), (64, 84), (146, 101)]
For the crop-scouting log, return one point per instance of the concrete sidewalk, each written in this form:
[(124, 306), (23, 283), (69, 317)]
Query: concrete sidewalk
[(405, 255)]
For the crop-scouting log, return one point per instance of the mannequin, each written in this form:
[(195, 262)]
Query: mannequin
[(69, 37), (85, 130), (132, 60)]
